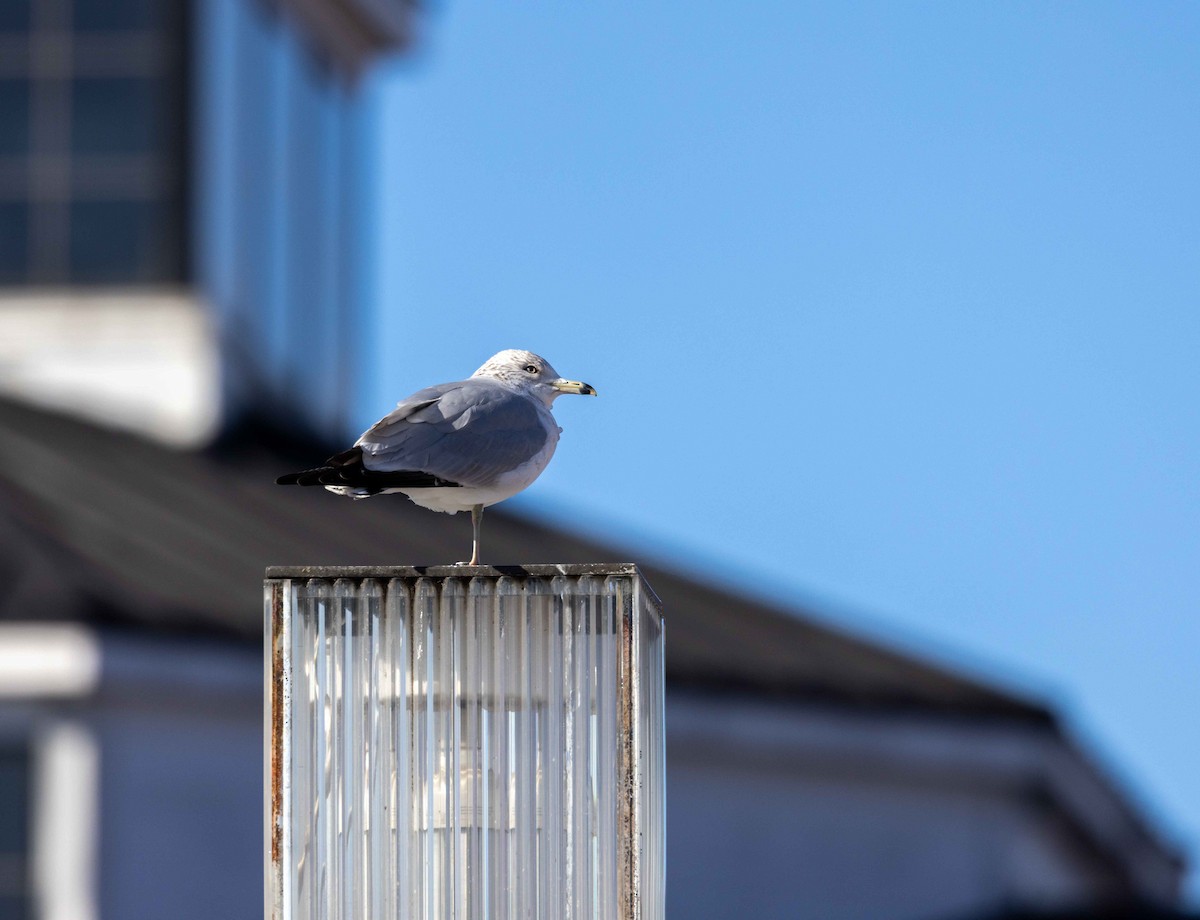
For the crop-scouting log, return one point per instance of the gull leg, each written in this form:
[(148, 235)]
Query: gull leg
[(476, 521)]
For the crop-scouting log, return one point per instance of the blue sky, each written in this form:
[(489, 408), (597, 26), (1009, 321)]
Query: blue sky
[(894, 308)]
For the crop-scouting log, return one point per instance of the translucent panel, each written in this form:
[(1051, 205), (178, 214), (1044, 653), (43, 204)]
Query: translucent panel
[(445, 747)]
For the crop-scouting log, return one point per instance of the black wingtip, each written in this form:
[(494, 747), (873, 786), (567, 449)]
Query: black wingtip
[(340, 469), (321, 476), (346, 470)]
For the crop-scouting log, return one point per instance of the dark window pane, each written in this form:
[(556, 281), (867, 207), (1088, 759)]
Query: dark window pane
[(122, 241), (14, 15), (14, 116), (14, 908), (110, 15), (115, 115), (14, 241), (14, 831), (14, 800)]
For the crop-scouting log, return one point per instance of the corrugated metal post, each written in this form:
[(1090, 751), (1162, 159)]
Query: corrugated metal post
[(461, 743)]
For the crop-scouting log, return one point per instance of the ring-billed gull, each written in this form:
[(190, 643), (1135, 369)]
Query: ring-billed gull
[(457, 446)]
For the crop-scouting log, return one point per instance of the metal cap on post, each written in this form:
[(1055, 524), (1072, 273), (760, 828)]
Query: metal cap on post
[(464, 742)]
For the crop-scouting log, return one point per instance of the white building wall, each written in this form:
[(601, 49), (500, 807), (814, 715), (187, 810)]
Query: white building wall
[(779, 811), (765, 841), (179, 728), (773, 840), (180, 813)]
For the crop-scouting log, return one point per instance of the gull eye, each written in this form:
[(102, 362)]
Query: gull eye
[(531, 369)]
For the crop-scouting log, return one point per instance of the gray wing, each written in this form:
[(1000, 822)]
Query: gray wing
[(469, 432)]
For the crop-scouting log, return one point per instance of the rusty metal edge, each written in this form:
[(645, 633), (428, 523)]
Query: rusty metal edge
[(536, 570), (274, 713), (629, 820), (646, 599)]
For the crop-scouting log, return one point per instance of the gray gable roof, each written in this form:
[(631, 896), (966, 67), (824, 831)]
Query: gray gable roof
[(102, 525)]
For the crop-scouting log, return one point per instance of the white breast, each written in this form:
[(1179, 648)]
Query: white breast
[(509, 484)]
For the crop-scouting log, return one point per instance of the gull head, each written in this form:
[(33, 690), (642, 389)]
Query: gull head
[(531, 374)]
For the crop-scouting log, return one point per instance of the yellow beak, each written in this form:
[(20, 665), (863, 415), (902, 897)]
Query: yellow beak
[(574, 386)]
